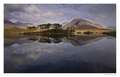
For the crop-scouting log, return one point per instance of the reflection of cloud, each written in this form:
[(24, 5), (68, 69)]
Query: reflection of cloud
[(34, 55), (42, 54), (18, 59), (15, 45)]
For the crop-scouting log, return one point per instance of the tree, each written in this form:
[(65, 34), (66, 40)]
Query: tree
[(70, 29), (56, 26), (39, 26), (31, 28), (48, 26), (42, 26), (34, 28)]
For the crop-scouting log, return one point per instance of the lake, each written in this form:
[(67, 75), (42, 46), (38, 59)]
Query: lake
[(76, 54)]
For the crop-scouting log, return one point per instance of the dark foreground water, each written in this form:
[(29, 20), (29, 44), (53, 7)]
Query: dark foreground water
[(81, 54)]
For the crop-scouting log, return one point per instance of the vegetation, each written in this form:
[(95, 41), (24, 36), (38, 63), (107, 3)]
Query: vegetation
[(14, 32), (54, 30), (71, 30), (111, 33), (50, 29), (88, 32)]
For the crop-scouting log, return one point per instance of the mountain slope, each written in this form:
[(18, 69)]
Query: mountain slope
[(9, 24), (111, 27), (83, 24)]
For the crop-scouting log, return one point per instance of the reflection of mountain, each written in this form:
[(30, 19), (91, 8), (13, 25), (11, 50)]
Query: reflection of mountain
[(84, 39), (109, 37), (74, 40), (42, 57)]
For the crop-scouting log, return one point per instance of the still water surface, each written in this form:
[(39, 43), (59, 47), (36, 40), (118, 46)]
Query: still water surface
[(81, 54)]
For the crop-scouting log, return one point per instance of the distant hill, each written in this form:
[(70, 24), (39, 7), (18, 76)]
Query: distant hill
[(9, 24), (65, 23), (111, 27), (83, 24)]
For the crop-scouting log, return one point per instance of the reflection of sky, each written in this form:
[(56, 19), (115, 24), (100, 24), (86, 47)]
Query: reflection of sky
[(102, 52)]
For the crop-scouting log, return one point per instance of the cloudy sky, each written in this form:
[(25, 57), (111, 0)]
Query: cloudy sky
[(103, 14)]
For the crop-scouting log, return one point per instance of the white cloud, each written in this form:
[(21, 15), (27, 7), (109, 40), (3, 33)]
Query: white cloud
[(32, 9), (48, 14), (58, 13)]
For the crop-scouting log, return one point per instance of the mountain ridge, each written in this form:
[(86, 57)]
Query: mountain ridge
[(83, 24), (10, 24), (111, 27)]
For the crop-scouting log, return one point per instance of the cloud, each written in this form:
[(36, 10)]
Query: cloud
[(14, 7), (103, 8), (32, 9), (60, 13), (102, 16)]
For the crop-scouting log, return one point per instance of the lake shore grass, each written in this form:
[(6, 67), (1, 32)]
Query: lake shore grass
[(12, 32)]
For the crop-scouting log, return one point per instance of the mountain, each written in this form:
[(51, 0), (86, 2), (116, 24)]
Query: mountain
[(9, 24), (83, 24), (65, 23), (23, 24), (111, 27)]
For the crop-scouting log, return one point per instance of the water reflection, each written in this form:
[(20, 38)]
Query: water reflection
[(41, 54), (74, 40), (84, 39), (49, 39)]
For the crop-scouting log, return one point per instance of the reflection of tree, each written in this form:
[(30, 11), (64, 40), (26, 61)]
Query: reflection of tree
[(72, 37), (45, 40), (49, 39), (57, 40), (74, 40), (33, 38)]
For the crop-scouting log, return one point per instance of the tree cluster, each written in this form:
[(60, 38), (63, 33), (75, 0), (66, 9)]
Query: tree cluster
[(48, 26), (53, 28), (71, 29)]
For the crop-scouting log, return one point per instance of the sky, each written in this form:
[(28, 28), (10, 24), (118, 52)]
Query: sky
[(103, 14)]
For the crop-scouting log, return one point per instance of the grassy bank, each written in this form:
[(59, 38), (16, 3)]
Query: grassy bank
[(16, 32), (13, 32)]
